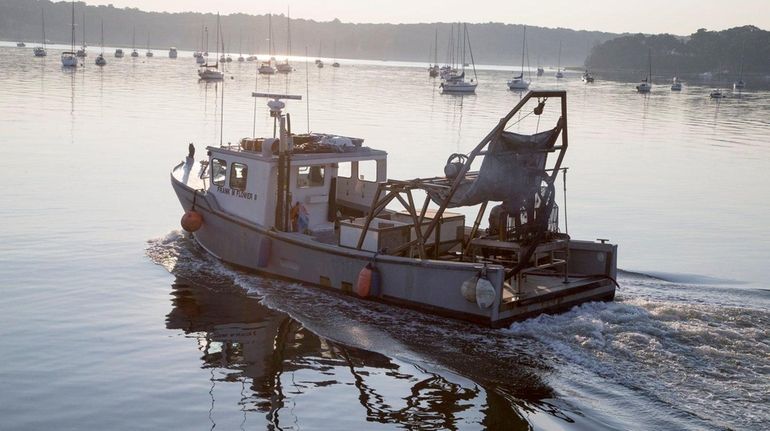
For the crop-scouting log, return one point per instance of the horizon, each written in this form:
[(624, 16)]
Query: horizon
[(708, 14)]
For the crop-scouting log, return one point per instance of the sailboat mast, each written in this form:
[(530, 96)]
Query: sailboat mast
[(84, 29), (42, 12), (523, 45), (102, 38), (73, 26), (217, 57), (435, 48), (288, 33)]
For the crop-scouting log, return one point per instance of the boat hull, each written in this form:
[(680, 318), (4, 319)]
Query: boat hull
[(427, 285)]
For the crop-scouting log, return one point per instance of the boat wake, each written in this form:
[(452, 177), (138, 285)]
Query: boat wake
[(704, 358), (692, 359)]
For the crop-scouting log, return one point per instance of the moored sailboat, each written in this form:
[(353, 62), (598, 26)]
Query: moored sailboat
[(456, 83), (646, 85), (211, 72), (69, 58), (518, 83), (40, 51), (100, 60)]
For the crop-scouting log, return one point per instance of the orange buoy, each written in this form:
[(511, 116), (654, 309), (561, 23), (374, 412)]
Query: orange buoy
[(192, 221)]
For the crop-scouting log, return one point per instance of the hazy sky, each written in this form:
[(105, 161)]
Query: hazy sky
[(650, 16)]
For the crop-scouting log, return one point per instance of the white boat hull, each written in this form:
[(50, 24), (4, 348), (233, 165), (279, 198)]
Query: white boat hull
[(518, 84)]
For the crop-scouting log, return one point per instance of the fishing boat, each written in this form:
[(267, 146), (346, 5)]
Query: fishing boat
[(100, 60), (40, 51), (211, 72), (676, 85), (82, 51), (587, 77), (646, 85), (172, 52), (282, 207), (518, 83), (559, 74), (69, 58), (457, 84)]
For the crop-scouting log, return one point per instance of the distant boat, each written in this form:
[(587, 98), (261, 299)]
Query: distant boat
[(335, 63), (457, 83), (149, 51), (540, 71), (716, 94), (211, 72), (318, 62), (240, 48), (559, 75), (100, 60), (676, 85), (119, 53), (20, 44), (587, 77), (518, 83), (740, 84), (646, 85), (172, 53), (68, 58), (40, 51), (433, 69), (134, 52), (266, 68), (82, 51)]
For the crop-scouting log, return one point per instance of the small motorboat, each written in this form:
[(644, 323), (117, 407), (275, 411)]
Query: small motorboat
[(717, 94), (559, 74), (540, 71), (134, 53), (676, 85), (81, 53), (587, 78), (20, 44), (200, 59), (39, 51), (100, 60), (119, 53), (319, 64), (172, 53)]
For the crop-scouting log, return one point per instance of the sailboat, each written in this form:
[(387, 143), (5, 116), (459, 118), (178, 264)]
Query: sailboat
[(204, 45), (267, 67), (319, 64), (335, 63), (559, 74), (285, 67), (40, 50), (149, 51), (134, 52), (433, 69), (240, 48), (68, 58), (740, 84), (100, 60), (518, 82), (82, 51), (211, 72), (676, 84), (457, 83), (646, 85)]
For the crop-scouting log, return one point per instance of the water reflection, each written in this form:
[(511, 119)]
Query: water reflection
[(286, 375)]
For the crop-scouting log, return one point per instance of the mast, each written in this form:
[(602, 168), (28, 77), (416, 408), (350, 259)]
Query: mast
[(102, 38), (649, 59), (435, 48), (523, 45), (288, 34), (73, 26), (558, 67), (42, 12), (270, 35), (133, 40), (217, 57), (206, 40), (84, 30)]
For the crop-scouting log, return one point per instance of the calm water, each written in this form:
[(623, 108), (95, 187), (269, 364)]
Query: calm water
[(111, 319)]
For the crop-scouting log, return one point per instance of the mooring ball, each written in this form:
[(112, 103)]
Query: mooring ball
[(192, 221), (452, 169)]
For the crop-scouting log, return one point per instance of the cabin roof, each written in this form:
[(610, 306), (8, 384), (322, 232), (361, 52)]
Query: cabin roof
[(361, 153)]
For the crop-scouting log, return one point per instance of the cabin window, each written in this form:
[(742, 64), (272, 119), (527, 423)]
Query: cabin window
[(238, 173), (345, 170), (310, 176), (218, 172), (367, 170)]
